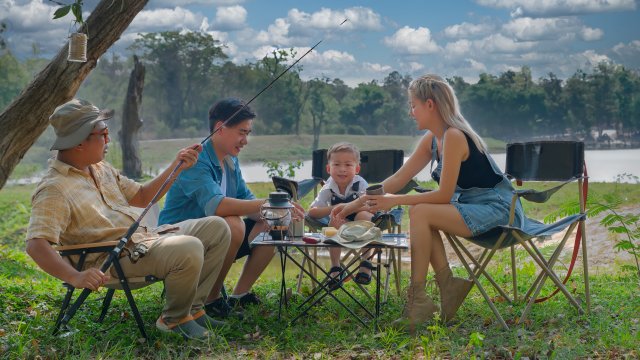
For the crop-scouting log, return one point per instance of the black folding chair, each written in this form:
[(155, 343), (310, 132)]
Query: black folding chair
[(561, 161), (80, 252), (76, 255)]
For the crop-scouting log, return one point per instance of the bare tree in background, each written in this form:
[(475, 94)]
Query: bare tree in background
[(24, 120), (131, 122)]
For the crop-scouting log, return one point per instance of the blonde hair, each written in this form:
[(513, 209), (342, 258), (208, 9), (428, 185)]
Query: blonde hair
[(434, 87), (344, 147)]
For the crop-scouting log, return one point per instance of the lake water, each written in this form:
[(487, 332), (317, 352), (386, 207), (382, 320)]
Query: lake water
[(602, 166)]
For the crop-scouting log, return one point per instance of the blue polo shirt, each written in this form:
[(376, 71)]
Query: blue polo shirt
[(197, 191)]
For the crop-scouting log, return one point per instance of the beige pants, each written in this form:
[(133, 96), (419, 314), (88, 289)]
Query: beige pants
[(188, 260)]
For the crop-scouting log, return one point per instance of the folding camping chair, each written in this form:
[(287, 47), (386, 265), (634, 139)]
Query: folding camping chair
[(534, 161), (120, 283), (375, 166)]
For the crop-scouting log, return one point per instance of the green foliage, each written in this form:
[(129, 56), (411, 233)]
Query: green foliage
[(180, 67), (75, 8), (288, 170), (615, 220)]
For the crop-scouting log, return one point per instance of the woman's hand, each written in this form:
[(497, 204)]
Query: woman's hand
[(373, 203)]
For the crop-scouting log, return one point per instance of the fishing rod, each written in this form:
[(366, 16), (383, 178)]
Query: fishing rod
[(115, 252)]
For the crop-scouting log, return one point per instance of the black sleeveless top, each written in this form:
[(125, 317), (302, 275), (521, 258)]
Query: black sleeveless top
[(476, 171)]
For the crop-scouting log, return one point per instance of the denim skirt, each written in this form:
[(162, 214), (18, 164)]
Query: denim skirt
[(483, 209)]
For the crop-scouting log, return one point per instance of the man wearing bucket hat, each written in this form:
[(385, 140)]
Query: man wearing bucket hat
[(83, 199)]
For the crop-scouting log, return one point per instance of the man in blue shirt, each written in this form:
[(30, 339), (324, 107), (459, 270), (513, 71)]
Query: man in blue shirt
[(214, 186)]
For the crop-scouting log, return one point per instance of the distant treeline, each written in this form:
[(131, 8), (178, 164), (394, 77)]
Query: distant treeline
[(187, 72)]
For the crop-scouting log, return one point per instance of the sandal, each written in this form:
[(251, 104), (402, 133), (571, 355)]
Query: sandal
[(334, 282), (362, 277)]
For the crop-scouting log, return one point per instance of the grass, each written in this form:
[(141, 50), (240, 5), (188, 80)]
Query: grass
[(30, 299)]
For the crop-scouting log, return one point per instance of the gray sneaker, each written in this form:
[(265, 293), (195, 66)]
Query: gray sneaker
[(188, 329), (207, 321)]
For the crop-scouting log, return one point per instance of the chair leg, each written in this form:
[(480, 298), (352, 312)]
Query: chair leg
[(398, 269), (132, 302), (480, 268), (585, 265), (63, 308), (301, 274), (514, 273), (105, 304), (552, 260), (477, 282), (390, 261), (551, 274)]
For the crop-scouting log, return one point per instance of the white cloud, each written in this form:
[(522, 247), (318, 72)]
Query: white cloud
[(588, 59), (499, 43), (30, 17), (173, 3), (467, 30), (458, 48), (476, 65), (377, 68), (628, 54), (412, 41), (591, 34), (559, 7), (414, 66), (165, 19), (567, 28), (358, 18), (230, 18)]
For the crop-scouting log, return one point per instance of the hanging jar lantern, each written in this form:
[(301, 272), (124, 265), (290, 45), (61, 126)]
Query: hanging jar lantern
[(77, 47)]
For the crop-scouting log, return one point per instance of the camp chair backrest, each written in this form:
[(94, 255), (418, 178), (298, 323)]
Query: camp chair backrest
[(375, 165), (545, 160)]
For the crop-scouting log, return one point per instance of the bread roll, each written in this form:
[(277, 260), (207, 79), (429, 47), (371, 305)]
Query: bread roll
[(329, 231)]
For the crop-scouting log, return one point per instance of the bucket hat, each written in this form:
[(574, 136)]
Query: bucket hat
[(73, 121), (356, 234)]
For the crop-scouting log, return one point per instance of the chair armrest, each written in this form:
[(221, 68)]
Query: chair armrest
[(85, 246), (541, 196)]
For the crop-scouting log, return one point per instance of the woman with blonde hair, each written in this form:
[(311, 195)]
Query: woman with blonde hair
[(473, 196)]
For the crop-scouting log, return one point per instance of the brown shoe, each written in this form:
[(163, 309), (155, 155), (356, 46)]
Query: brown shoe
[(418, 310), (453, 291)]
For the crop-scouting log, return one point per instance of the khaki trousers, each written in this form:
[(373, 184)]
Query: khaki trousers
[(189, 261)]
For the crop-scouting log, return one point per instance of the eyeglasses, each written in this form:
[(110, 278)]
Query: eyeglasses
[(104, 134)]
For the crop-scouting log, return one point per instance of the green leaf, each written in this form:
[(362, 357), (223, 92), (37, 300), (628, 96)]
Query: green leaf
[(77, 12), (624, 245), (61, 12)]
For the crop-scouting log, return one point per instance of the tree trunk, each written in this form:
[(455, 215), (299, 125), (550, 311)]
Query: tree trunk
[(131, 122), (24, 120)]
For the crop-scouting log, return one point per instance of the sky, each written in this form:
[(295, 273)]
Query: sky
[(450, 38)]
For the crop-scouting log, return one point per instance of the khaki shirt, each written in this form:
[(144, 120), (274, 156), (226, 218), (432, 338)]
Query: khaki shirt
[(69, 208)]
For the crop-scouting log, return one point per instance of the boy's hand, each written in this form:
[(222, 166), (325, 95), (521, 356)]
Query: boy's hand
[(298, 211), (337, 218)]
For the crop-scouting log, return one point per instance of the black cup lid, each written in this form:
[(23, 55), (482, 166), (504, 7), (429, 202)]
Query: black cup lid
[(279, 199)]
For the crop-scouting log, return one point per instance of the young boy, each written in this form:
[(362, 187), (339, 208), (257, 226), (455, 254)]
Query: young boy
[(343, 186)]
